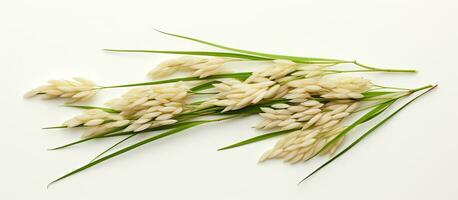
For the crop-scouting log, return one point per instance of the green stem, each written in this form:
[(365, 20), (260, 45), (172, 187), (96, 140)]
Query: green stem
[(258, 138), (398, 95), (375, 105), (202, 92), (86, 107), (387, 87), (366, 70), (240, 76), (383, 70), (422, 88)]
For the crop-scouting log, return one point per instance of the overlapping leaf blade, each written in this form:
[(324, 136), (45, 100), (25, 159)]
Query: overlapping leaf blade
[(266, 55), (129, 148), (365, 135), (369, 115), (258, 138), (116, 133), (88, 107), (239, 76), (195, 53)]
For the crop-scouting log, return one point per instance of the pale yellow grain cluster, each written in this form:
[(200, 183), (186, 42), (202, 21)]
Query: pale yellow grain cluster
[(302, 144), (97, 121), (235, 94), (78, 89), (149, 107), (201, 67), (315, 108)]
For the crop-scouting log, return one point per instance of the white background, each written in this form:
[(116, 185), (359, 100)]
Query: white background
[(414, 156)]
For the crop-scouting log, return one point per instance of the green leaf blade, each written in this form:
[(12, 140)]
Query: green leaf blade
[(195, 53), (113, 146), (266, 55), (204, 86), (116, 133), (240, 76), (368, 95), (88, 107), (257, 139), (369, 115), (126, 149), (364, 135)]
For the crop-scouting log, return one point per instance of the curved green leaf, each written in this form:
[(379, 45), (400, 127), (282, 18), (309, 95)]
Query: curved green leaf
[(368, 95), (113, 146), (266, 55), (255, 108), (88, 107), (116, 133), (126, 149), (369, 115), (196, 53), (365, 135), (258, 138), (204, 86), (240, 76), (56, 127)]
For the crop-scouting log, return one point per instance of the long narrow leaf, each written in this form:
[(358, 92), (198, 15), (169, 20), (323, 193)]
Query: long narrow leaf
[(113, 146), (258, 138), (255, 108), (277, 133), (368, 95), (240, 76), (55, 127), (108, 110), (365, 134), (376, 113), (87, 139), (126, 149), (203, 86), (196, 53), (123, 133), (369, 115), (266, 55)]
